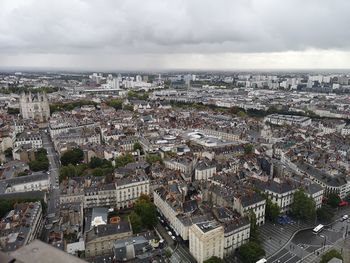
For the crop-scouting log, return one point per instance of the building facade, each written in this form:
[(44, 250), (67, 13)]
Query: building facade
[(34, 106)]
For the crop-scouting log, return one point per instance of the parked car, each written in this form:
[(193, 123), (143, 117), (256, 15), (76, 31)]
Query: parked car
[(344, 217)]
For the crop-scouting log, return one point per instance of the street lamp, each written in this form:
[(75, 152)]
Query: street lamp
[(325, 240)]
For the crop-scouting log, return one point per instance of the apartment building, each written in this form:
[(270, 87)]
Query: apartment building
[(206, 240)]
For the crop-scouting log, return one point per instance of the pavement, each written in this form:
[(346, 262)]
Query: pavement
[(275, 236), (53, 201)]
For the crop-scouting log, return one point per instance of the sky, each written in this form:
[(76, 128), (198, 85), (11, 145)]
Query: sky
[(175, 34)]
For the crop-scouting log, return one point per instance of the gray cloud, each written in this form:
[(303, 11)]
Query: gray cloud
[(161, 26), (93, 28)]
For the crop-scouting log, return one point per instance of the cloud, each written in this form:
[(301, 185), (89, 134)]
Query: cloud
[(171, 26), (138, 31)]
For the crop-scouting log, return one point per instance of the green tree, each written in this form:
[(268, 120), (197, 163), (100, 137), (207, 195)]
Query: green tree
[(8, 152), (73, 156), (213, 259), (329, 255), (128, 107), (242, 114), (153, 158), (67, 172), (97, 172), (167, 253), (333, 199), (137, 146), (145, 208), (136, 222), (303, 207), (41, 162), (116, 104), (254, 230), (272, 210), (96, 162), (13, 111), (124, 160), (325, 214), (248, 148), (251, 252)]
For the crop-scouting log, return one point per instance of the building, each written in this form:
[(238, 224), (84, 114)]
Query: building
[(206, 240), (279, 119), (246, 202), (122, 194), (20, 226), (281, 193), (100, 239), (34, 106), (31, 138), (130, 248), (204, 170), (28, 183)]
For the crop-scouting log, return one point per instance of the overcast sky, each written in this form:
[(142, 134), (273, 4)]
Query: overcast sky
[(175, 34)]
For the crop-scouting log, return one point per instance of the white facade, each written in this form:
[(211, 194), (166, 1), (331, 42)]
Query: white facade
[(206, 241)]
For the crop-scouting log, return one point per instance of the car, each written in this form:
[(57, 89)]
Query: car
[(166, 228), (170, 234), (344, 217), (173, 238)]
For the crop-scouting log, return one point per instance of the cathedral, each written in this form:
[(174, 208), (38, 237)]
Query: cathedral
[(34, 106)]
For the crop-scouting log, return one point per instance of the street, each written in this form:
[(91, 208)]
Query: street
[(306, 246), (54, 192)]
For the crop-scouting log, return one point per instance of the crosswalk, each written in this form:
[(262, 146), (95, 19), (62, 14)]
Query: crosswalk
[(275, 236)]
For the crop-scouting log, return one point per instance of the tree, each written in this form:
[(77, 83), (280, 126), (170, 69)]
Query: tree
[(167, 253), (137, 146), (272, 210), (213, 259), (303, 207), (97, 172), (329, 255), (8, 152), (128, 107), (251, 252), (242, 114), (333, 199), (13, 111), (136, 222), (146, 210), (248, 148), (254, 230), (73, 156), (41, 162), (96, 162), (124, 160), (153, 158), (324, 214), (116, 104), (67, 172)]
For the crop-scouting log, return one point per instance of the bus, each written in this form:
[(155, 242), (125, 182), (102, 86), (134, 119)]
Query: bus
[(263, 260), (318, 229)]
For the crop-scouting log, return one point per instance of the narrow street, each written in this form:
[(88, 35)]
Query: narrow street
[(54, 192)]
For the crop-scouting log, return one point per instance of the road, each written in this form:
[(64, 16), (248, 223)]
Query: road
[(181, 253), (306, 246), (54, 192)]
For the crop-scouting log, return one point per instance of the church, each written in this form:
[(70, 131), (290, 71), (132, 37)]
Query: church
[(34, 106)]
